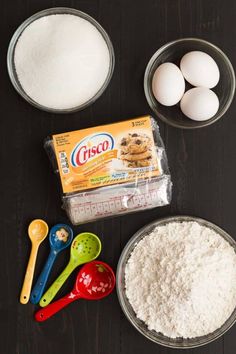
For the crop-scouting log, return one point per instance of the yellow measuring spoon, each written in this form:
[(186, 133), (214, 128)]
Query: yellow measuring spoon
[(38, 230)]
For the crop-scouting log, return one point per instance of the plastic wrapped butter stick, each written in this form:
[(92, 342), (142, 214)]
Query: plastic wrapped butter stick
[(118, 200), (111, 169)]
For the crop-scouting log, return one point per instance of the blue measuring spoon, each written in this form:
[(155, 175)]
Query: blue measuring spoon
[(60, 237)]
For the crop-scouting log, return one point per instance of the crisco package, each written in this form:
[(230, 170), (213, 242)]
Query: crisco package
[(111, 170)]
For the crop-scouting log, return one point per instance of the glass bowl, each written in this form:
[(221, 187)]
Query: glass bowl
[(173, 52), (17, 34), (178, 343)]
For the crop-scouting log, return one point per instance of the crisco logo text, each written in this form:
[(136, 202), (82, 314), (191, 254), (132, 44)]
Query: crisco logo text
[(90, 147)]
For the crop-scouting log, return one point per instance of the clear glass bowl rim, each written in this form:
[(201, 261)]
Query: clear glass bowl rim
[(54, 11), (151, 335), (161, 50)]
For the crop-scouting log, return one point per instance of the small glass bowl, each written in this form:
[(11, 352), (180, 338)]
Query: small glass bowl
[(22, 27), (173, 52), (178, 343)]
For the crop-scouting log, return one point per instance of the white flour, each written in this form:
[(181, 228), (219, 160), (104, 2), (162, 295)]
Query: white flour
[(181, 280), (61, 61)]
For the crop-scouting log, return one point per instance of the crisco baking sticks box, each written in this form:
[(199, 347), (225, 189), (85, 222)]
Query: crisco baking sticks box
[(106, 155)]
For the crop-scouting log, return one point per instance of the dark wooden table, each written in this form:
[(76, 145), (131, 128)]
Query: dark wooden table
[(202, 164)]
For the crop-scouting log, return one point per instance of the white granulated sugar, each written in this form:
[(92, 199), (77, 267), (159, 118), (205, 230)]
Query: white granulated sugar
[(61, 61), (181, 280)]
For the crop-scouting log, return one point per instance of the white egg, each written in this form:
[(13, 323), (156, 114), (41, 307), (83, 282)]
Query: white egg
[(200, 69), (168, 84), (199, 103)]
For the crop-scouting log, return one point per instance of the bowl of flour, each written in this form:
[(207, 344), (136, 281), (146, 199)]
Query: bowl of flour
[(176, 281), (60, 60)]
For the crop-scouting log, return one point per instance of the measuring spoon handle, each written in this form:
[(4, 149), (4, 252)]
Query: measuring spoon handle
[(54, 288), (50, 310), (27, 284), (39, 287)]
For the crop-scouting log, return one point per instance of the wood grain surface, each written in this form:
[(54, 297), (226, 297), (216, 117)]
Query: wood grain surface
[(202, 164)]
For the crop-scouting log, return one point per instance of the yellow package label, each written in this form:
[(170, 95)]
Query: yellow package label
[(106, 155)]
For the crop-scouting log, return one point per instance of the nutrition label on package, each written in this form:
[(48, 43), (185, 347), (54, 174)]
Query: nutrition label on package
[(64, 163)]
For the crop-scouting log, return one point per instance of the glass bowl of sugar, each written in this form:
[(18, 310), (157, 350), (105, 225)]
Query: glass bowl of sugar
[(60, 60), (131, 293)]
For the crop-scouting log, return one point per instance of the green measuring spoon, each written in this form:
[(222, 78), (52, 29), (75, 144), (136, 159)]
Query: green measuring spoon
[(84, 248)]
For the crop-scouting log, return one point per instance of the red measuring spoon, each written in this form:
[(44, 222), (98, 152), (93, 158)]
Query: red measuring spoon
[(94, 281)]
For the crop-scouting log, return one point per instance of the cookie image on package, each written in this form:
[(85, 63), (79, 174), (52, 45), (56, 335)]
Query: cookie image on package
[(135, 143), (136, 157), (136, 150), (140, 163)]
